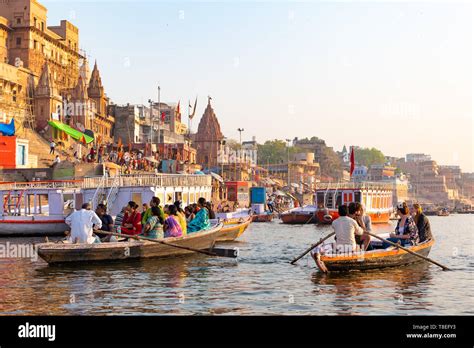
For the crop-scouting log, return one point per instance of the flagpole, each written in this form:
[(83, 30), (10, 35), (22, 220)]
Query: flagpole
[(159, 117)]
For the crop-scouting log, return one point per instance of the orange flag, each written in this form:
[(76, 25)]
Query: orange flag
[(83, 140)]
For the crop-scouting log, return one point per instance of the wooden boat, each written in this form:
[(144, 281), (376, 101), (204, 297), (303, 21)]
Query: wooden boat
[(378, 258), (301, 215), (262, 217), (376, 197), (231, 232), (132, 249)]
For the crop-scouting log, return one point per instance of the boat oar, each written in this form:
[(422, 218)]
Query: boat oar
[(409, 251), (232, 253), (312, 247)]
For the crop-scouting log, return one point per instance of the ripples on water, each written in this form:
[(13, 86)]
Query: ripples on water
[(260, 281)]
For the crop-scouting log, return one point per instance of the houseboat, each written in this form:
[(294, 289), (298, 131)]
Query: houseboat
[(376, 197), (37, 208)]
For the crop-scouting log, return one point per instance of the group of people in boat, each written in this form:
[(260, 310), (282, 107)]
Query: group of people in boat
[(351, 227), (152, 221)]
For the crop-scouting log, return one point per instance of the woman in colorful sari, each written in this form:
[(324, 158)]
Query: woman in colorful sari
[(201, 221), (172, 226), (154, 225), (181, 217), (132, 221)]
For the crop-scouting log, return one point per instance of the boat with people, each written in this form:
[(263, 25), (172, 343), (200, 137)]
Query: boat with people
[(63, 252), (327, 260), (376, 198), (300, 215)]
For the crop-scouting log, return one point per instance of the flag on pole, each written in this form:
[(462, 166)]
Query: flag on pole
[(83, 140), (352, 160), (194, 109), (163, 116)]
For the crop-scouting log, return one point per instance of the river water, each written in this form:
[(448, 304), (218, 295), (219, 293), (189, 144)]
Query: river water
[(260, 281)]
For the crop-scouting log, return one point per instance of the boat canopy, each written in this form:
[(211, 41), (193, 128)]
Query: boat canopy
[(74, 133)]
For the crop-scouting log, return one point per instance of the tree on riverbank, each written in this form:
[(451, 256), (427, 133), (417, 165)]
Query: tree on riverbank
[(368, 156)]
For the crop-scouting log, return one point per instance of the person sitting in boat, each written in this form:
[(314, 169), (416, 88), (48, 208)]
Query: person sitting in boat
[(82, 223), (154, 202), (181, 217), (119, 220), (107, 223), (346, 230), (212, 215), (172, 227), (406, 232), (153, 227), (189, 211), (201, 220), (132, 220), (422, 223), (355, 211)]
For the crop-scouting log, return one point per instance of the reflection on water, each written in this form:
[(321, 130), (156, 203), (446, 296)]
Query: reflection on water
[(261, 281)]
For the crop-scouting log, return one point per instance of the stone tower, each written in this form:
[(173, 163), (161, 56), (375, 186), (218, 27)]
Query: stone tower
[(47, 100), (208, 137)]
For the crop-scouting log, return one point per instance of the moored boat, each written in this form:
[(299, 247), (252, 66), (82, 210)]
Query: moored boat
[(376, 197), (443, 212), (327, 261), (262, 217), (36, 208), (301, 215), (71, 253)]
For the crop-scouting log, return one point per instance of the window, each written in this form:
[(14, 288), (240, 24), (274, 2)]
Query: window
[(18, 20), (42, 26), (338, 199), (18, 41), (34, 20), (357, 197)]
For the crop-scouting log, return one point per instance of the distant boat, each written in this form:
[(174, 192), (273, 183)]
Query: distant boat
[(300, 215), (443, 212), (377, 198)]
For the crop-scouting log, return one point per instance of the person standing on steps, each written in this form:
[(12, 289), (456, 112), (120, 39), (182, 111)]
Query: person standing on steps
[(52, 147)]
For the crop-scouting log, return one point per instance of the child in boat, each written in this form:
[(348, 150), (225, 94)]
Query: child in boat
[(406, 232), (154, 225), (201, 221), (172, 227)]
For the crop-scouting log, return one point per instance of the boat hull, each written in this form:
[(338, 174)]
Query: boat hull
[(30, 228), (377, 218), (262, 217), (54, 253), (298, 218), (230, 233), (373, 260)]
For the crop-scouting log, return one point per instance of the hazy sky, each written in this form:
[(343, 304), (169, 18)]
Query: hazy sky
[(396, 76)]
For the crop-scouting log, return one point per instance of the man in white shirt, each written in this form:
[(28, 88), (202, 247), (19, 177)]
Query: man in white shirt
[(346, 229), (81, 222)]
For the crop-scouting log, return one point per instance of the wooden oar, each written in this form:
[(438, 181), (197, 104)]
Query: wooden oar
[(312, 247), (409, 251), (210, 253)]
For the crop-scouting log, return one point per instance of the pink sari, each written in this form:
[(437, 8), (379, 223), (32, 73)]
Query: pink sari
[(173, 228)]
